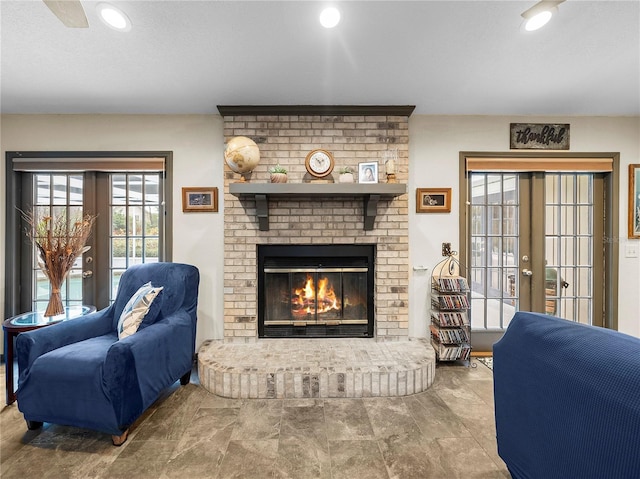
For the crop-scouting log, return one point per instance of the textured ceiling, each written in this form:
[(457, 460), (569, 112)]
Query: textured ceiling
[(445, 57)]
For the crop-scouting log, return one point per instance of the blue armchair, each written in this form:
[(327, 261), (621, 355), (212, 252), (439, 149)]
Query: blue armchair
[(567, 400), (78, 372)]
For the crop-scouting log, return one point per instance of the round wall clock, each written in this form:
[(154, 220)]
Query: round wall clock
[(319, 163)]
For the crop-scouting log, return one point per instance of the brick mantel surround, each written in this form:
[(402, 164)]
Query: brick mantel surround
[(353, 135)]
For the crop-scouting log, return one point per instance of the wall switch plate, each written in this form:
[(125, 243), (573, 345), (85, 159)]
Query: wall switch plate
[(631, 250)]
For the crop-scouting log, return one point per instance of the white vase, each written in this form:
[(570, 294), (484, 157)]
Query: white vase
[(345, 178), (278, 177)]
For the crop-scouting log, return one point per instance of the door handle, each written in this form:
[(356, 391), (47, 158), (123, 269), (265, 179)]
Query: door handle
[(87, 274), (527, 272)]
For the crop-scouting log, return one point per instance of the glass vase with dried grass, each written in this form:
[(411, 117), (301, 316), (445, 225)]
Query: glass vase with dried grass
[(59, 240)]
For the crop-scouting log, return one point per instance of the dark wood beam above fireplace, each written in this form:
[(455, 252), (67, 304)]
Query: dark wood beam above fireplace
[(370, 194), (324, 110)]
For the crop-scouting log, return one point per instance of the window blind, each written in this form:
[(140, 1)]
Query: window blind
[(121, 164), (510, 164)]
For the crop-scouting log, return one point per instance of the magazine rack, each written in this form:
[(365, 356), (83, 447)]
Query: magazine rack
[(450, 323)]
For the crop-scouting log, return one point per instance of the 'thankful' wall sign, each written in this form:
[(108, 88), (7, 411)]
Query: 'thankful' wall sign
[(539, 136)]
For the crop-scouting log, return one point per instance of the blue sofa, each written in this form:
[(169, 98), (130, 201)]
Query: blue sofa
[(78, 372), (567, 400)]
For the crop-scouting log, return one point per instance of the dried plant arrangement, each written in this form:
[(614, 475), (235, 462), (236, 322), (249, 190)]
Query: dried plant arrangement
[(59, 239)]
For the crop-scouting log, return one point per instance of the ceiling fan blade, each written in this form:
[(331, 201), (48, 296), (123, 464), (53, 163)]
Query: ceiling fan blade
[(70, 12)]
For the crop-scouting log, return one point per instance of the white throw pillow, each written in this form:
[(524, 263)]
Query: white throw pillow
[(136, 309)]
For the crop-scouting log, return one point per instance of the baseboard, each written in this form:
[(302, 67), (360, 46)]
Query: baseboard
[(482, 354)]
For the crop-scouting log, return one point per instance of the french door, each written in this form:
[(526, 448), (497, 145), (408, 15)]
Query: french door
[(127, 229), (535, 241), (130, 228)]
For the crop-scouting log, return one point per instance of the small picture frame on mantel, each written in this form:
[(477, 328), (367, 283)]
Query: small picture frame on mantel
[(199, 199), (433, 200), (368, 172)]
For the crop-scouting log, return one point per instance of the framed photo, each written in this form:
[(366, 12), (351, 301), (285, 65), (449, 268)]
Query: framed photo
[(634, 201), (433, 200), (200, 198), (368, 172)]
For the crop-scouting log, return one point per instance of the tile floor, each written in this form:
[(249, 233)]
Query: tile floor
[(445, 432)]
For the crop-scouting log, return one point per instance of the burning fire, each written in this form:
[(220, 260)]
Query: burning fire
[(304, 299)]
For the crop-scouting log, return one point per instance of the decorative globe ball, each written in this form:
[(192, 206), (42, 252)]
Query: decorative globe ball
[(242, 154)]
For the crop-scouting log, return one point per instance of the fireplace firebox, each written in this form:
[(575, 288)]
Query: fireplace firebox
[(316, 291)]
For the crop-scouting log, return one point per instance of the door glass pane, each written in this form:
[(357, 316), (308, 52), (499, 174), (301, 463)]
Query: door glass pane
[(118, 252), (567, 252), (551, 219), (151, 217), (494, 281), (118, 221), (135, 221), (495, 219), (494, 249), (478, 220), (584, 189), (511, 291), (584, 222), (495, 252), (583, 252), (134, 251), (551, 189), (509, 221), (151, 250), (478, 251), (59, 190), (566, 189), (569, 247), (134, 189), (54, 195), (583, 282), (494, 189), (118, 189), (510, 251), (151, 190), (567, 220), (41, 289), (76, 187), (478, 189)]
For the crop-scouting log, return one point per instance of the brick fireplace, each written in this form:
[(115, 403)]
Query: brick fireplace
[(285, 136)]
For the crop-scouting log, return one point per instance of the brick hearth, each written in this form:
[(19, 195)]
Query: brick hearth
[(316, 368)]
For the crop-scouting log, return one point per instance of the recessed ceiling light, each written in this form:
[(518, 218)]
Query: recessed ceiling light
[(540, 14), (113, 17), (330, 17), (538, 21)]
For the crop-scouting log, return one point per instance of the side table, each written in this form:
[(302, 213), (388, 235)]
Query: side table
[(27, 322)]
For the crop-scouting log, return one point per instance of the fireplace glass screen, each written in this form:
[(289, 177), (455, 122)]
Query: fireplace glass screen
[(316, 296), (315, 290)]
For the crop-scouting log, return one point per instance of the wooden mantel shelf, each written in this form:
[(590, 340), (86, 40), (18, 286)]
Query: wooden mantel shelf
[(370, 194), (330, 110)]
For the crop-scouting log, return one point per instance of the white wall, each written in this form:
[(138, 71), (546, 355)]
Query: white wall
[(434, 143), (197, 145), (434, 146)]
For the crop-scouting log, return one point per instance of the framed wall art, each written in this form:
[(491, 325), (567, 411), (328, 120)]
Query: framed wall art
[(368, 172), (199, 198), (433, 200), (634, 201)]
